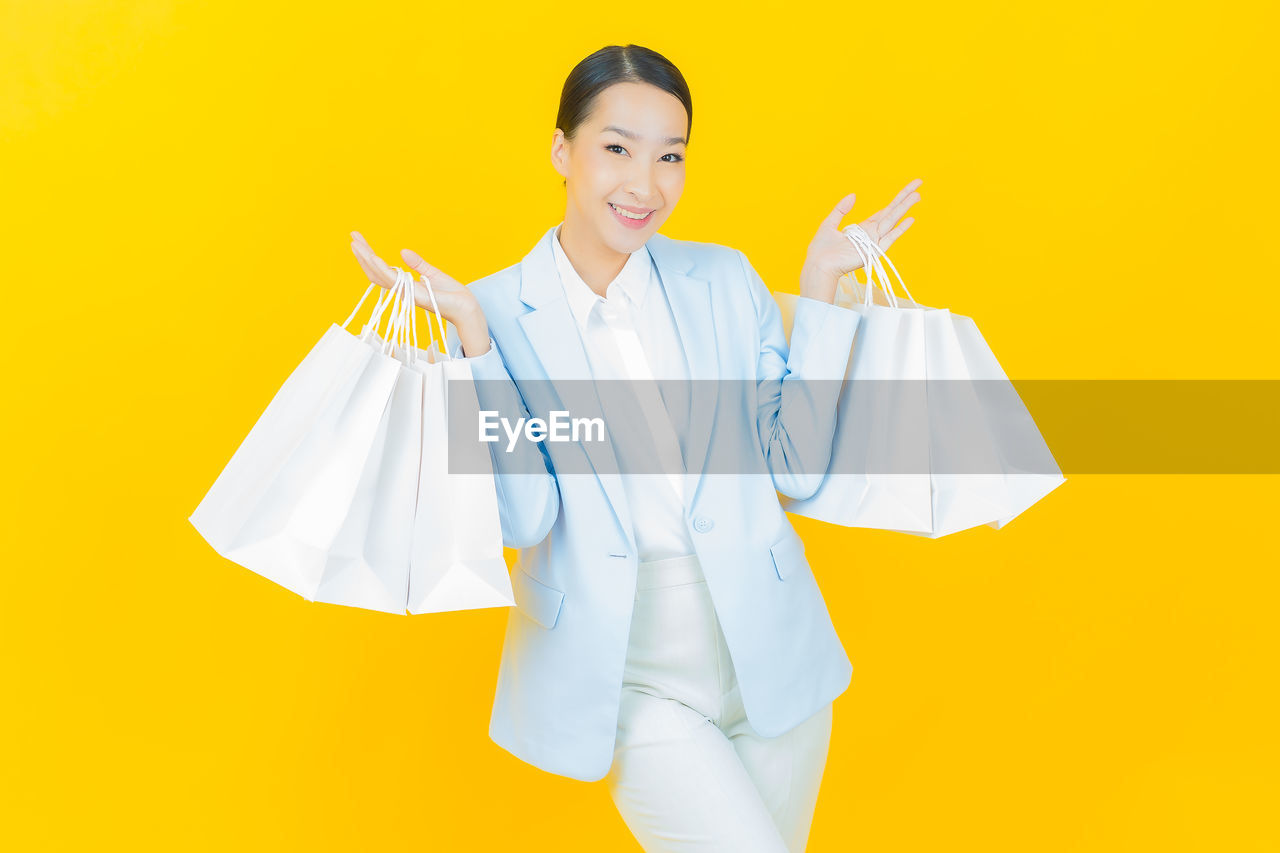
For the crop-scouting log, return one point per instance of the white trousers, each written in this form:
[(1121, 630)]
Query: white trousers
[(689, 773)]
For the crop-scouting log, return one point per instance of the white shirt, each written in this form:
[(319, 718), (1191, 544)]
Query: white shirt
[(631, 334)]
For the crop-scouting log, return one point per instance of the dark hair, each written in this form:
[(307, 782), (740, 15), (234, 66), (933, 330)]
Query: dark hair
[(617, 64)]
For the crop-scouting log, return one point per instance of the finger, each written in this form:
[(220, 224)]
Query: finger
[(382, 274), (904, 199), (901, 206), (841, 210), (908, 188), (887, 240), (441, 284), (891, 214), (370, 272), (902, 193), (366, 262), (893, 211), (418, 264), (365, 257)]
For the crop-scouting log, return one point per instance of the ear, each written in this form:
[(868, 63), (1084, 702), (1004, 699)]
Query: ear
[(560, 153)]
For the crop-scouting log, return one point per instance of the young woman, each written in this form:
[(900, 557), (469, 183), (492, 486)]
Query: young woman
[(669, 634)]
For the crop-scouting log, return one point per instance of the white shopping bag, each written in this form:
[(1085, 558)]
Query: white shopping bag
[(457, 561), (368, 563), (930, 436), (1030, 471), (312, 496)]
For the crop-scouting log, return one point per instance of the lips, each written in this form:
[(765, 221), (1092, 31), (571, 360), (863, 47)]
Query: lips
[(633, 214)]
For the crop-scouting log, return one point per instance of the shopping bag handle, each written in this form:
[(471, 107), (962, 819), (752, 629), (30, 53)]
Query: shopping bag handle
[(388, 298), (402, 318), (403, 324), (393, 299), (435, 309), (871, 253), (378, 307)]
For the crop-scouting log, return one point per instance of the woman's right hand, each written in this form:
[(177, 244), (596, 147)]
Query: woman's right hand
[(457, 304)]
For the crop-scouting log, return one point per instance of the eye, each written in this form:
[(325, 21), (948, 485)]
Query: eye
[(678, 157)]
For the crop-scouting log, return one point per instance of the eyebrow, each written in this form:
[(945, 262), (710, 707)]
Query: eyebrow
[(670, 140)]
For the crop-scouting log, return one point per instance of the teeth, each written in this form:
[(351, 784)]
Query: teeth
[(628, 214)]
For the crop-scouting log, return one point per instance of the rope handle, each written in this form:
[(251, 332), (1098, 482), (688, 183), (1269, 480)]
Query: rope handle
[(435, 309), (384, 300), (394, 335), (402, 326), (403, 319), (871, 253)]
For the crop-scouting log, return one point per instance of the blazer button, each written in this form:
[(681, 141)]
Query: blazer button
[(702, 524)]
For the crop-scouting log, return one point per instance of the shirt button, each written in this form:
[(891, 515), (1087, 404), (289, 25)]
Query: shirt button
[(702, 524)]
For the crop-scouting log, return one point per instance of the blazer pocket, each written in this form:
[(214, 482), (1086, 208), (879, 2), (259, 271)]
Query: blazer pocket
[(788, 555), (539, 601)]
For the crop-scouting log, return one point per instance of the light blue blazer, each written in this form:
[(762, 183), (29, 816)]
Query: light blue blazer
[(560, 677)]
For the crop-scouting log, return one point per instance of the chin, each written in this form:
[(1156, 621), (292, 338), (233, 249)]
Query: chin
[(628, 243), (624, 240)]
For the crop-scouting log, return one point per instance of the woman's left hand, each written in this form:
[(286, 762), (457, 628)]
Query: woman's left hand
[(831, 253)]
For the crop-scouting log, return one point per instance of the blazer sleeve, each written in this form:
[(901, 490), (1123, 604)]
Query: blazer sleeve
[(797, 388), (528, 494)]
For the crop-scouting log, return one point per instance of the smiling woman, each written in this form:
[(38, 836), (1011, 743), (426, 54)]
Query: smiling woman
[(620, 141), (669, 636)]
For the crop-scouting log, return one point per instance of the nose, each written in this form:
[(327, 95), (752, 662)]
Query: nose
[(640, 184)]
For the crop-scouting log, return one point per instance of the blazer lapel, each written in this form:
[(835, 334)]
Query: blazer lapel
[(557, 345), (690, 300)]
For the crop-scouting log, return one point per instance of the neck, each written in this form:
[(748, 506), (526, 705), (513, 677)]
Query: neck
[(595, 263)]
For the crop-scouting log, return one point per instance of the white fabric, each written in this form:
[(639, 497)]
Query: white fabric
[(689, 773), (631, 334)]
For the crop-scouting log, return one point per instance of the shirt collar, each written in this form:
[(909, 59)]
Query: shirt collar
[(631, 283)]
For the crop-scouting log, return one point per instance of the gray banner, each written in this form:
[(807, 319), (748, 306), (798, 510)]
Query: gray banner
[(872, 427)]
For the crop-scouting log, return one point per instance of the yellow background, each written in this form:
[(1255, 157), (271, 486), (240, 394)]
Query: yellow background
[(179, 182)]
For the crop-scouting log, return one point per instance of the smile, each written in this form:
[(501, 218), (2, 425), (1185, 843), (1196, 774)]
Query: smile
[(634, 217)]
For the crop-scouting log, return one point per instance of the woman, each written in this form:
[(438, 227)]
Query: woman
[(669, 634)]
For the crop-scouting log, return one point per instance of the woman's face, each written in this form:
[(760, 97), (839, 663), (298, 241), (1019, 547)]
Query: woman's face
[(626, 161)]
